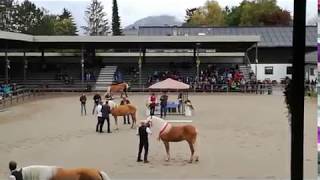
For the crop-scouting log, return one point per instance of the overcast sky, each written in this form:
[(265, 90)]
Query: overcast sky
[(133, 10)]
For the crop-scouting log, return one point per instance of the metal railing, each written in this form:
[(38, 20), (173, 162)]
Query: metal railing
[(20, 95)]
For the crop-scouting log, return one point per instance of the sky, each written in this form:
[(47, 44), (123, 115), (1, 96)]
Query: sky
[(133, 10)]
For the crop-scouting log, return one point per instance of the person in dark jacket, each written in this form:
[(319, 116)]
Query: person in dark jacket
[(143, 132), (96, 101), (126, 117), (105, 111), (16, 173), (83, 100), (163, 105)]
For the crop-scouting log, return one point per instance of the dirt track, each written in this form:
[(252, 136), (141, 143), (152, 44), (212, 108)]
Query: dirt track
[(242, 137)]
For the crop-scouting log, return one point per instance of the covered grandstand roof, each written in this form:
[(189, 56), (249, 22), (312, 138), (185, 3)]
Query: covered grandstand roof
[(233, 43), (270, 36)]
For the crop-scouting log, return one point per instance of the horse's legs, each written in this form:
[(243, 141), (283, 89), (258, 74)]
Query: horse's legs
[(196, 150), (166, 144), (133, 117), (116, 122), (192, 151), (125, 92)]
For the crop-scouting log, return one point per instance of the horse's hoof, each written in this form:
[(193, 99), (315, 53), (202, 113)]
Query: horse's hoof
[(190, 161)]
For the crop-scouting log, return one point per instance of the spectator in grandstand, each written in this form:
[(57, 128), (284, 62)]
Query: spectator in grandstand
[(96, 100), (83, 100), (152, 103), (163, 105), (123, 102)]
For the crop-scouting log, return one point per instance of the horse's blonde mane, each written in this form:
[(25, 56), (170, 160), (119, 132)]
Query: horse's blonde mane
[(39, 172), (112, 104)]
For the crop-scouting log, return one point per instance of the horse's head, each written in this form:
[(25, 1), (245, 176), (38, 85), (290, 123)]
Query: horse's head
[(154, 120), (112, 104), (127, 85), (108, 89)]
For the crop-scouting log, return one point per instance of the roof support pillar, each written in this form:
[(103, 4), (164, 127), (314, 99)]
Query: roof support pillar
[(198, 62), (25, 66), (7, 64), (195, 55), (298, 70), (256, 61), (140, 69), (82, 65)]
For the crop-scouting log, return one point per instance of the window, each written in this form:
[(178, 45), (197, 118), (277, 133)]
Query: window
[(311, 71), (268, 70), (289, 70)]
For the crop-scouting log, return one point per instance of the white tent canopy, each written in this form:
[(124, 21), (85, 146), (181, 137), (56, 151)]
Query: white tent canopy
[(169, 84)]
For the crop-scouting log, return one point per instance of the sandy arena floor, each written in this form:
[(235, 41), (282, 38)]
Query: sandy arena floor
[(242, 137)]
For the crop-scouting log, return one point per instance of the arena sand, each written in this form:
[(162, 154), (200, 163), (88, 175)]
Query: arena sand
[(241, 137)]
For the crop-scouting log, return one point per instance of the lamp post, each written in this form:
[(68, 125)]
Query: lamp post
[(82, 66), (140, 69), (198, 66), (25, 67)]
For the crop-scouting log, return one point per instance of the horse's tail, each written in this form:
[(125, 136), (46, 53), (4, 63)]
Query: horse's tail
[(196, 145), (104, 175)]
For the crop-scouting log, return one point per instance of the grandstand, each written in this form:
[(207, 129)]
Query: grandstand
[(164, 49)]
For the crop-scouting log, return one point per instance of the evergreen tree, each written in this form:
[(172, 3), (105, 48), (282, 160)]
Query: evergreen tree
[(66, 14), (97, 23), (116, 30), (29, 17), (8, 15), (66, 24)]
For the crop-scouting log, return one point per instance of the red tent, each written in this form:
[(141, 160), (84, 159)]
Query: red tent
[(169, 84)]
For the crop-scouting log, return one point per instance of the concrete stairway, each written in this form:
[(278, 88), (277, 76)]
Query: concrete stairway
[(105, 78), (245, 70)]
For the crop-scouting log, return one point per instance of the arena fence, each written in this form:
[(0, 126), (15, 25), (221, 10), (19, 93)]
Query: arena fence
[(19, 95)]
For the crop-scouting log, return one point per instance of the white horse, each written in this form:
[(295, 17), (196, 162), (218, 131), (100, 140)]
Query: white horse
[(168, 133), (57, 173)]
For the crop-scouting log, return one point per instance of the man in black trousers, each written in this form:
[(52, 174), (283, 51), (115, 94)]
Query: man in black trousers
[(99, 111), (143, 132), (105, 114)]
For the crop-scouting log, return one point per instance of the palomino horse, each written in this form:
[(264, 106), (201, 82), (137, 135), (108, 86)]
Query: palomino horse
[(122, 110), (168, 133), (57, 173), (121, 87)]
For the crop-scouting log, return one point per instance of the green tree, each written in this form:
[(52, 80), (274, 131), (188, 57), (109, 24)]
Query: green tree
[(258, 13), (66, 14), (8, 15), (29, 16), (66, 25), (46, 26), (116, 30), (211, 14), (189, 14), (97, 23), (232, 16)]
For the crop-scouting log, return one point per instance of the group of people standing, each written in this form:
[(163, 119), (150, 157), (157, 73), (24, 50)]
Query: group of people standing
[(102, 110), (163, 104)]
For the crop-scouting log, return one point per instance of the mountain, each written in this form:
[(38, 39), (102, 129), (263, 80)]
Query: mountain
[(163, 20)]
